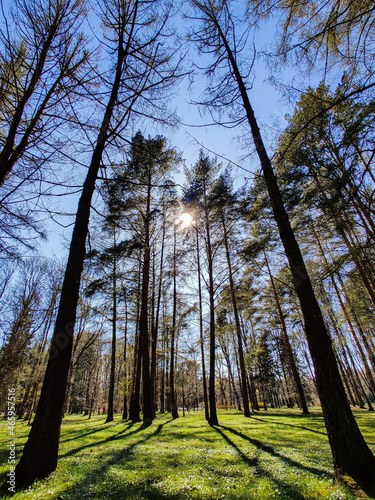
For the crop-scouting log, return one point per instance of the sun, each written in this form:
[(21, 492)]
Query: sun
[(186, 219)]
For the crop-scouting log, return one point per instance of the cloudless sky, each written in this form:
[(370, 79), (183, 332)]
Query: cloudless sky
[(266, 101), (188, 139)]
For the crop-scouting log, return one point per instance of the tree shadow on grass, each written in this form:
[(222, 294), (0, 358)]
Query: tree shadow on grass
[(273, 452), (143, 489), (78, 434), (288, 490), (290, 425), (115, 437)]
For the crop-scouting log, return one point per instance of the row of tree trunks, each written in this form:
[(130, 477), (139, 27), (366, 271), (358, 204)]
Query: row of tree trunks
[(297, 378), (351, 455)]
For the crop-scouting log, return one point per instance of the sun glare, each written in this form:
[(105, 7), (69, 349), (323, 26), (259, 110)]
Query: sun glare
[(186, 219)]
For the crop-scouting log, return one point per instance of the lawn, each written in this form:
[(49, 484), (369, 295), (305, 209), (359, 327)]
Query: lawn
[(275, 454)]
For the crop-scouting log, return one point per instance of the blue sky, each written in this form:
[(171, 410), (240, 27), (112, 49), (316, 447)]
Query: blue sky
[(221, 141)]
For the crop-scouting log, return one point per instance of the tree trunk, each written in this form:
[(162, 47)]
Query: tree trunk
[(162, 376), (125, 401), (172, 394), (113, 346), (252, 389), (134, 406), (201, 340), (211, 383), (155, 329), (40, 453), (245, 397), (143, 322), (351, 455)]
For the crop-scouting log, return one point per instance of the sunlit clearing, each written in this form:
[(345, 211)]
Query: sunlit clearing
[(186, 220)]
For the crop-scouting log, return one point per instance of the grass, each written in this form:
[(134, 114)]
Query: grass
[(275, 454)]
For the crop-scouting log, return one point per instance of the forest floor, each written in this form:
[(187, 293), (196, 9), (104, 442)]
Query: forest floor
[(274, 454)]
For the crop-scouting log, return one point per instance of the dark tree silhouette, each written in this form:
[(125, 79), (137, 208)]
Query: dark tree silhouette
[(140, 69), (351, 455)]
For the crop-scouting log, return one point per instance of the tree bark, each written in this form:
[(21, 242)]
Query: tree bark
[(172, 394), (40, 453), (201, 340), (245, 397), (351, 455)]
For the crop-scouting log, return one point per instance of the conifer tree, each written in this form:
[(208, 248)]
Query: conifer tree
[(217, 36)]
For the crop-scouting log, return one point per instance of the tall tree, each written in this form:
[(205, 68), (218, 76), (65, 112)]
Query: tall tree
[(141, 67), (197, 199), (351, 455), (142, 183), (39, 71), (224, 199), (201, 336), (172, 392)]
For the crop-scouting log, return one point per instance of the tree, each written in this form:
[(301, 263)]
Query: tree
[(172, 392), (322, 35), (351, 455), (224, 199), (39, 70), (196, 197), (140, 186), (150, 161), (135, 31), (201, 337)]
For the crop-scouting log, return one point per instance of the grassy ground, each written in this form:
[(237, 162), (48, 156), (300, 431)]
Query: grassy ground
[(275, 454)]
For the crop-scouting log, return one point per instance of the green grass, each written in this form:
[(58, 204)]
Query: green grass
[(276, 454)]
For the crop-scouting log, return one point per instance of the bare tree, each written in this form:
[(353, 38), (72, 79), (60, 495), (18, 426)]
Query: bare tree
[(217, 36), (39, 68), (44, 66), (133, 30)]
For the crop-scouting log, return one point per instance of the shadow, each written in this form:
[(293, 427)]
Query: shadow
[(288, 490), (143, 489), (291, 425), (79, 490), (115, 437), (79, 434), (273, 452)]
